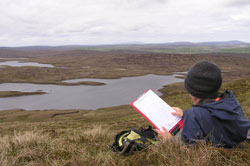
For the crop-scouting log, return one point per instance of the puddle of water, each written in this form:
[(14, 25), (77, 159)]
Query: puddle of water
[(21, 64)]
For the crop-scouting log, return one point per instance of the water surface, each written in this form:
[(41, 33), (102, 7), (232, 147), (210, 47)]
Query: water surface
[(21, 64), (116, 92)]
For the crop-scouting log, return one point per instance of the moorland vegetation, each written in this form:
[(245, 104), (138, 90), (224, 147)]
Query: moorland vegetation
[(83, 137)]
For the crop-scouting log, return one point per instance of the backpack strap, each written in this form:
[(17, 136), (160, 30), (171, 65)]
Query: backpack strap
[(118, 140), (128, 147)]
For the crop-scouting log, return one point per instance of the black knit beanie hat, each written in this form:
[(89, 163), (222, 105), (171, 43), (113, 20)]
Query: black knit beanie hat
[(203, 80)]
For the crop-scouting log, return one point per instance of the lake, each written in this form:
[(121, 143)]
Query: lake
[(21, 64), (116, 92)]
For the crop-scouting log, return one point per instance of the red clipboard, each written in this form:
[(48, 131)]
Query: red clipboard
[(173, 130)]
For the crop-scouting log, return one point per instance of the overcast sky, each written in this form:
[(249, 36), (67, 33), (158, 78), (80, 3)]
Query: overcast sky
[(67, 22)]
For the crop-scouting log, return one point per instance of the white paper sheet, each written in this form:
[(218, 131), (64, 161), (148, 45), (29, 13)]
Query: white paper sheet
[(152, 107)]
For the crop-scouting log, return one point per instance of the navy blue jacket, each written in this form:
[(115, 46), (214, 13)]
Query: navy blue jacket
[(220, 122)]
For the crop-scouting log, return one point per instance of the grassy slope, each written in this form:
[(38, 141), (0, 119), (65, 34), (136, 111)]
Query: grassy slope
[(79, 137)]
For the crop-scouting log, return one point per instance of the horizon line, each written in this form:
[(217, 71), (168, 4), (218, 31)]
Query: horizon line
[(127, 43)]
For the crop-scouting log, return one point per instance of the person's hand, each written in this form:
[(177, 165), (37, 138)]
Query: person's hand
[(178, 112), (164, 134)]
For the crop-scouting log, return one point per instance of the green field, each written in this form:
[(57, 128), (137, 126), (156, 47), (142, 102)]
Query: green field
[(243, 50), (204, 50), (174, 49)]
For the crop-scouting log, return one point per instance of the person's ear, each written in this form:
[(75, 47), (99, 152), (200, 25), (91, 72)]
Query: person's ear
[(195, 99)]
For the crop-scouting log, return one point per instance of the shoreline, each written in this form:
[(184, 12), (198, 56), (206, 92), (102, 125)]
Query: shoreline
[(89, 82), (174, 94)]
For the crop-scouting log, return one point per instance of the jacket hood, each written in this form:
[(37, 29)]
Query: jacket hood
[(227, 108)]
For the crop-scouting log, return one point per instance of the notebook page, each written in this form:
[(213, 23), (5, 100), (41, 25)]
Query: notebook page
[(156, 110)]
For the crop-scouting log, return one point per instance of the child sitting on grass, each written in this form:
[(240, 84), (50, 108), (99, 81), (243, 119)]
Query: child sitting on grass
[(214, 117)]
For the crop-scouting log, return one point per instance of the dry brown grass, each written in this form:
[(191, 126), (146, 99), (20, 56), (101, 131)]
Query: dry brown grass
[(90, 146)]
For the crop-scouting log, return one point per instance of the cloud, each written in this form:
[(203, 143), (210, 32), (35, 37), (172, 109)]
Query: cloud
[(46, 22), (237, 3)]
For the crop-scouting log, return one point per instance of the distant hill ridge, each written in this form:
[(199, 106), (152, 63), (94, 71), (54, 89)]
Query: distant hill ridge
[(233, 46), (212, 43)]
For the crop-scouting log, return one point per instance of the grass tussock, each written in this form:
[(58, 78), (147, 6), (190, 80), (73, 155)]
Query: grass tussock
[(91, 147), (175, 153), (43, 148)]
